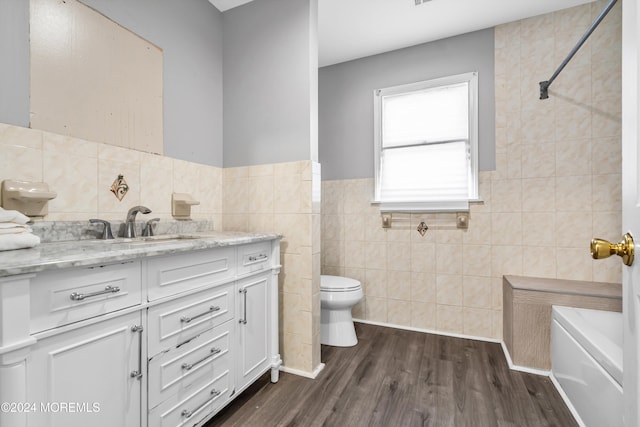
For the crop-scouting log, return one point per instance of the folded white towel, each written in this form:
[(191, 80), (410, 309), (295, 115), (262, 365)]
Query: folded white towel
[(13, 216), (11, 225), (18, 229), (5, 225), (10, 242)]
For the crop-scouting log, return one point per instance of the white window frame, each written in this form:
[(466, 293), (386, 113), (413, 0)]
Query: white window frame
[(448, 205)]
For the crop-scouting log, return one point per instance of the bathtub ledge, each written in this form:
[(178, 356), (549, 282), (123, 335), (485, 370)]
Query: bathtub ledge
[(527, 303)]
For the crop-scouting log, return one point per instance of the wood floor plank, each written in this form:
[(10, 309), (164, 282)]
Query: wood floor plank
[(479, 410), (543, 396), (401, 382), (403, 378), (446, 409), (499, 381), (320, 405), (430, 385)]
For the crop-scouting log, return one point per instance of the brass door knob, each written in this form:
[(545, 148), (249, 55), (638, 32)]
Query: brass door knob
[(603, 249)]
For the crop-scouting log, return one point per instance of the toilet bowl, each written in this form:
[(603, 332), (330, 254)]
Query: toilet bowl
[(337, 296)]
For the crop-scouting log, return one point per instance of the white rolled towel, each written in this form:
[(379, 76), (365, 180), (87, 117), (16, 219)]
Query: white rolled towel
[(13, 216), (9, 242)]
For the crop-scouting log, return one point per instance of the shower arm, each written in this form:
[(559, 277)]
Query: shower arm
[(544, 86)]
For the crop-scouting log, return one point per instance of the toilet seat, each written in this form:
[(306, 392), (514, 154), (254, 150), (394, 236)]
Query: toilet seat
[(338, 284)]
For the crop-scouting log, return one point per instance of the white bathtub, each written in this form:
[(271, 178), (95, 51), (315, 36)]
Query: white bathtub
[(586, 356)]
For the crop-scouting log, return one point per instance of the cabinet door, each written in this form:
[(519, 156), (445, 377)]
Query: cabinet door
[(85, 377), (253, 328)]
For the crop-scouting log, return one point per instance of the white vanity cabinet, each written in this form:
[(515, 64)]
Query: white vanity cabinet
[(191, 356), (254, 323), (216, 336), (155, 341), (88, 376)]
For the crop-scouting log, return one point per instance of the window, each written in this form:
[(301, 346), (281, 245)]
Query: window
[(426, 145)]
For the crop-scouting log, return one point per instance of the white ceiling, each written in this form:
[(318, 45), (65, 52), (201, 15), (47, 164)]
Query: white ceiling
[(223, 5), (350, 29)]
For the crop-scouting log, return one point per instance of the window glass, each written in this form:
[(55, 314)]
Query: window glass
[(425, 172)]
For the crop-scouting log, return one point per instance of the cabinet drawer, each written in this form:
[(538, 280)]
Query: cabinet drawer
[(170, 275), (201, 402), (181, 369), (62, 297), (254, 257), (174, 323)]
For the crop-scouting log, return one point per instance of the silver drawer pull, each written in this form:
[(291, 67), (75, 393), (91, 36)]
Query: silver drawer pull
[(243, 321), (138, 329), (108, 290), (188, 366), (187, 319), (187, 413), (258, 258)]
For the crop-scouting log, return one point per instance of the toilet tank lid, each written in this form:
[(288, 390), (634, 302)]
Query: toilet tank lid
[(338, 282)]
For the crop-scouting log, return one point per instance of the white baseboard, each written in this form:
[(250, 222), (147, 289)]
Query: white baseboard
[(428, 331), (526, 369), (301, 373), (567, 402), (553, 379)]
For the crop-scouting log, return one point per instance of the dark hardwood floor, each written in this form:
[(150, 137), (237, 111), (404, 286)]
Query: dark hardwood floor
[(403, 378)]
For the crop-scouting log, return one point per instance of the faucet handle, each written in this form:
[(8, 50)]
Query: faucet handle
[(106, 231), (148, 228)]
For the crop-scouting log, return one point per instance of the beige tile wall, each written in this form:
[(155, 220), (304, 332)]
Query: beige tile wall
[(285, 198), (556, 185), (81, 172)]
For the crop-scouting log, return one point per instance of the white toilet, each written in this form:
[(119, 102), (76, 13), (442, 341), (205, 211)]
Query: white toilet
[(337, 296)]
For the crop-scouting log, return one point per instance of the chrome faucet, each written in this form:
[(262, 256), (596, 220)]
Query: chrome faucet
[(148, 228), (130, 223), (106, 231)]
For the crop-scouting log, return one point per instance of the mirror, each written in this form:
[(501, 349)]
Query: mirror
[(93, 79)]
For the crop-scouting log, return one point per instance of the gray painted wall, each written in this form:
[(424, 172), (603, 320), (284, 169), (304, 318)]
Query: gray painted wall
[(14, 72), (270, 67), (346, 98), (190, 34)]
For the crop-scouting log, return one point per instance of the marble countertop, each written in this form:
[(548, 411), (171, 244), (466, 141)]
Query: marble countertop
[(77, 253)]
